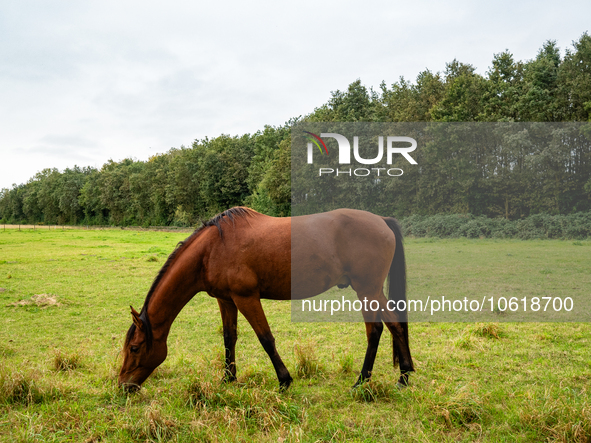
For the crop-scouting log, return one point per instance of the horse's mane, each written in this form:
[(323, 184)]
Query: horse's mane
[(228, 216)]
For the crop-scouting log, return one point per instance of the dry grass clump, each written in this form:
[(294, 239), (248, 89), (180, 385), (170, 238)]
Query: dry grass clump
[(66, 361), (19, 388), (156, 426), (469, 336), (486, 330), (559, 419), (307, 364), (152, 425), (468, 341), (463, 409), (39, 300), (242, 407), (200, 394)]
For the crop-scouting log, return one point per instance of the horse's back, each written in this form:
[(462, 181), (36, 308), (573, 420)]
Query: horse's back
[(252, 255), (300, 257)]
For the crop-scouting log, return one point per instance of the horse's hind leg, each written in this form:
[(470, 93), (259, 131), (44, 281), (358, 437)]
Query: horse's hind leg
[(399, 330), (373, 330), (401, 349), (400, 345), (230, 322), (252, 310)]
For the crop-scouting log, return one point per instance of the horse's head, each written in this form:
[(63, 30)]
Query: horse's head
[(141, 353)]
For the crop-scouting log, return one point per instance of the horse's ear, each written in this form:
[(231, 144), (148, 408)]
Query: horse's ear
[(135, 316)]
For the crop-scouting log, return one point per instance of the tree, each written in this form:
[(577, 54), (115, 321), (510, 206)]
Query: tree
[(538, 100), (461, 100)]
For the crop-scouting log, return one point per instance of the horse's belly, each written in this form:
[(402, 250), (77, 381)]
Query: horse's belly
[(341, 248)]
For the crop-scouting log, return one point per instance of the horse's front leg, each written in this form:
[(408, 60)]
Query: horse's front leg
[(230, 322), (252, 310)]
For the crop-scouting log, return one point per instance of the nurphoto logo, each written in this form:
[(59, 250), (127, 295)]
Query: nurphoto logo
[(394, 145)]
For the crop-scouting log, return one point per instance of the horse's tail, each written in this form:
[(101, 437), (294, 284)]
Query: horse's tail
[(397, 283)]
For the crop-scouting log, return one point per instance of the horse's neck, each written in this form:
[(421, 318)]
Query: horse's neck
[(178, 285)]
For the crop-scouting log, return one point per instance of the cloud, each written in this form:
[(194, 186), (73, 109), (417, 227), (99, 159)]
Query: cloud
[(89, 81)]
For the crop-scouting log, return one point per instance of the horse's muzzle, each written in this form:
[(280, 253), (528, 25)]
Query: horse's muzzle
[(130, 387)]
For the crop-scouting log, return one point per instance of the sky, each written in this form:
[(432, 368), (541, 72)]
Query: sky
[(85, 82)]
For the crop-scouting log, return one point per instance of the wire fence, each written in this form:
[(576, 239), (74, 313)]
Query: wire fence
[(45, 227)]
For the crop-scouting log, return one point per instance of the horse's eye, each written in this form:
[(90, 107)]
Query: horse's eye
[(134, 349)]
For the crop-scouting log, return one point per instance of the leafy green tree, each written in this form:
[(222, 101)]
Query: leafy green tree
[(462, 99), (574, 81), (357, 104), (183, 186), (11, 205), (68, 194), (538, 100), (407, 102), (273, 195), (502, 89), (48, 195), (224, 171)]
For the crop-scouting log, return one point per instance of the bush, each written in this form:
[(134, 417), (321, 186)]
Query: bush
[(572, 226)]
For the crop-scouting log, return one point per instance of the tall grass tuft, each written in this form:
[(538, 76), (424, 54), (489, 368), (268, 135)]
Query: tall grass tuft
[(156, 426), (243, 407), (200, 394), (19, 388), (468, 337), (372, 391), (462, 409), (559, 419), (346, 363), (486, 330), (66, 361), (307, 364)]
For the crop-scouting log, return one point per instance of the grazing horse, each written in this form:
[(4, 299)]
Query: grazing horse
[(240, 257)]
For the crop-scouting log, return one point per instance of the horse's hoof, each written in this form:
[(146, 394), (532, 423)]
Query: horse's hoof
[(229, 379), (401, 386), (361, 380), (283, 385), (403, 380)]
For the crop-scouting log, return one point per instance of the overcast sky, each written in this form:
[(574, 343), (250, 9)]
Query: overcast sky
[(85, 82)]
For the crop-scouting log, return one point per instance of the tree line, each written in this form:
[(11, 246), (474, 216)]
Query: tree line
[(188, 184), (179, 187)]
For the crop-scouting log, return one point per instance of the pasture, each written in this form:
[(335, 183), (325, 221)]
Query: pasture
[(64, 310)]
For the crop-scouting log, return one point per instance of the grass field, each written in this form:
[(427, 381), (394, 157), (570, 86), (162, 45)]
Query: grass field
[(64, 310)]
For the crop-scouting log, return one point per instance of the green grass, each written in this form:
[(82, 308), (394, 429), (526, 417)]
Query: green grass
[(474, 381)]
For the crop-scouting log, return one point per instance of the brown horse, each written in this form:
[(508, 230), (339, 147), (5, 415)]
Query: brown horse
[(240, 257)]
